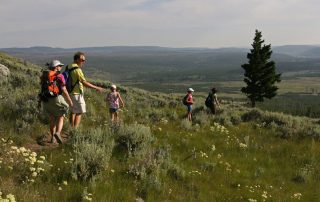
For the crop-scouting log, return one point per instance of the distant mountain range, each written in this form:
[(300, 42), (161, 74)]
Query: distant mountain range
[(154, 63), (309, 51)]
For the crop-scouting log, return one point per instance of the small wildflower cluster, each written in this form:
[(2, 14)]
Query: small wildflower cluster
[(213, 147), (243, 146), (265, 195), (231, 139), (7, 198), (258, 189), (203, 154), (86, 196), (261, 125), (296, 196), (22, 161), (194, 172), (227, 165), (164, 121), (219, 128)]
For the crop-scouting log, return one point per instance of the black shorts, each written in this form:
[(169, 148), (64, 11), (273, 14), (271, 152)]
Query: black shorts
[(113, 110)]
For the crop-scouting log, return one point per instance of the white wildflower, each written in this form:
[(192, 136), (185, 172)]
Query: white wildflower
[(296, 196), (243, 146), (213, 148)]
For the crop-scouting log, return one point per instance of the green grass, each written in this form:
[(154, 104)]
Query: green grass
[(245, 159)]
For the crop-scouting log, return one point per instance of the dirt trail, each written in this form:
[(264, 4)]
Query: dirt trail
[(43, 142)]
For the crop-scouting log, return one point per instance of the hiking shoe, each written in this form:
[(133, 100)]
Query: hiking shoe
[(53, 140), (58, 138)]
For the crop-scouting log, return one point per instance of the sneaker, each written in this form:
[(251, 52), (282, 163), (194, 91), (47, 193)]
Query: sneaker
[(58, 137)]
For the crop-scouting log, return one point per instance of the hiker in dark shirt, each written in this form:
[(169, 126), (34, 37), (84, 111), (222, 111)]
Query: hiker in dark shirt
[(214, 104)]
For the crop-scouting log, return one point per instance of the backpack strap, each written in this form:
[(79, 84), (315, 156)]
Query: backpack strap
[(77, 82)]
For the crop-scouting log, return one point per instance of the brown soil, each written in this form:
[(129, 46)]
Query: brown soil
[(44, 142)]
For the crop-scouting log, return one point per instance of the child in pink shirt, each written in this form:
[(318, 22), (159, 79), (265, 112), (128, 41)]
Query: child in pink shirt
[(113, 99), (189, 103)]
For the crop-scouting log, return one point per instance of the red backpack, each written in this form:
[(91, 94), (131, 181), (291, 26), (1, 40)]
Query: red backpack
[(49, 85)]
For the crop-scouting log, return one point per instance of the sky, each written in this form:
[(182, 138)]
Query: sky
[(168, 23)]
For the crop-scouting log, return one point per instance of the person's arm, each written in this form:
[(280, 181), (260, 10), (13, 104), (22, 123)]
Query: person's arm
[(66, 96), (107, 100), (90, 85), (121, 99), (216, 100)]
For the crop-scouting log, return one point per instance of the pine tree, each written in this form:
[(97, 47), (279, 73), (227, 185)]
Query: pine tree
[(260, 72)]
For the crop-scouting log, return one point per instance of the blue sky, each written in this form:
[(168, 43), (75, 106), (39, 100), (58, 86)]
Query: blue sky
[(171, 23)]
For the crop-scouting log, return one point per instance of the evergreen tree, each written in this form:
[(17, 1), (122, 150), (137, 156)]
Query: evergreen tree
[(260, 73)]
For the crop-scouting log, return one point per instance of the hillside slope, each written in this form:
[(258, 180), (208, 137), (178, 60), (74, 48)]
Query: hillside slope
[(242, 154)]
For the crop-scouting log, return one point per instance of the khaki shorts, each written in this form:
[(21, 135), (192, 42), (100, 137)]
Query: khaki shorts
[(56, 106), (79, 105)]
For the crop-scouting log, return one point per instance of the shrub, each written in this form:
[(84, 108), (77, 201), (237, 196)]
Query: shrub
[(149, 165), (202, 118), (17, 81), (26, 109), (172, 115), (286, 126), (252, 115), (235, 119), (186, 124), (174, 171), (151, 182), (93, 151), (134, 137), (305, 174)]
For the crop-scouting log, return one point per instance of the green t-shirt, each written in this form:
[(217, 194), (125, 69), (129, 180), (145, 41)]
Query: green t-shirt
[(77, 76)]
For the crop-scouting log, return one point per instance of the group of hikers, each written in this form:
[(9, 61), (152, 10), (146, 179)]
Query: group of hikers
[(61, 92), (64, 91), (211, 102)]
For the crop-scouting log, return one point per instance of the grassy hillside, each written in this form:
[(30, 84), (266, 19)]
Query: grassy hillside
[(242, 154)]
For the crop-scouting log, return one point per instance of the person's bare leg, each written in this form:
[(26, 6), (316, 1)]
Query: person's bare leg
[(52, 122), (190, 116), (59, 124), (116, 117), (112, 117), (77, 120), (72, 119)]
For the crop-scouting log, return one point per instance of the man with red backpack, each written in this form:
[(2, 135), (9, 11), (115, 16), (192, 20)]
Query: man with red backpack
[(53, 96)]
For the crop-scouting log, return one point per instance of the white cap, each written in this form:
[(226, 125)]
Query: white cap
[(55, 63), (113, 86), (190, 90)]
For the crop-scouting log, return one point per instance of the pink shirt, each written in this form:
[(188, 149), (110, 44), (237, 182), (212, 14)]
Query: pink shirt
[(190, 98), (61, 80), (113, 99)]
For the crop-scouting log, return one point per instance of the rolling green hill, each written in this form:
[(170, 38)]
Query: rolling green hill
[(155, 154)]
